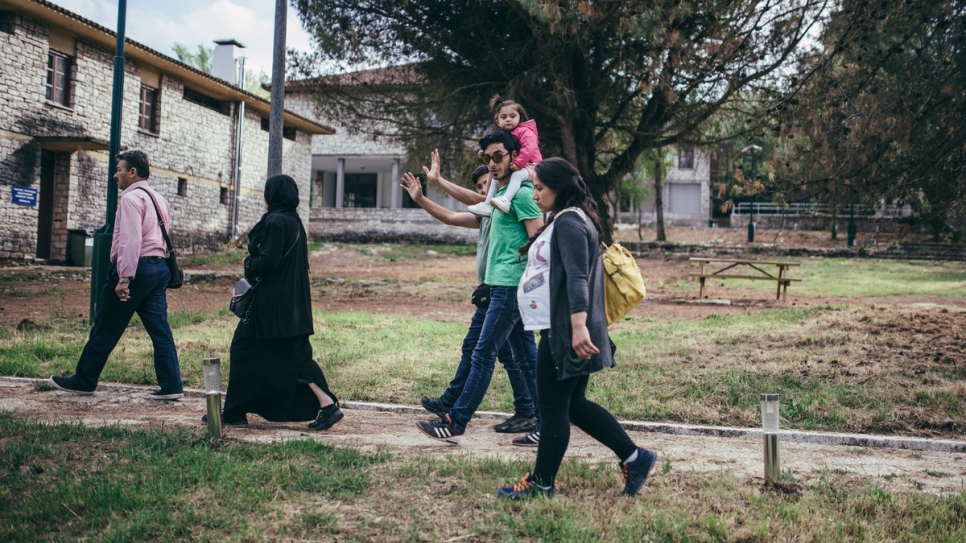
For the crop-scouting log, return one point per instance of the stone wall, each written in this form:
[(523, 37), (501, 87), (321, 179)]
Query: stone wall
[(342, 143), (23, 53), (384, 225), (194, 144)]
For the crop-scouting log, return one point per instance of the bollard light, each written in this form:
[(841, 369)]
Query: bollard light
[(211, 368), (769, 428)]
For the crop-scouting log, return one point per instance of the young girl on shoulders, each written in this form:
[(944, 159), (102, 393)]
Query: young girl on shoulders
[(509, 115)]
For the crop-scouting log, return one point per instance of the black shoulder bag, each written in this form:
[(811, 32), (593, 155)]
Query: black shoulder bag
[(177, 276), (243, 296)]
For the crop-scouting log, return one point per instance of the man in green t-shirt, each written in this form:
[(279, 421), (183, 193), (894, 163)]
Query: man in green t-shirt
[(505, 265), (519, 354)]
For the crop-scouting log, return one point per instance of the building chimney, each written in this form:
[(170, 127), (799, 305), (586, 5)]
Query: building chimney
[(223, 65)]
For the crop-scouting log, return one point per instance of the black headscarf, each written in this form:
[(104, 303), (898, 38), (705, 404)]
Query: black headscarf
[(281, 193), (282, 196)]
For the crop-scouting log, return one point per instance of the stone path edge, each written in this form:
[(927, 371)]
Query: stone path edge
[(818, 438)]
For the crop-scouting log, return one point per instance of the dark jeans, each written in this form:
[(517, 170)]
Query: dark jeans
[(148, 299), (501, 317), (518, 356), (563, 402)]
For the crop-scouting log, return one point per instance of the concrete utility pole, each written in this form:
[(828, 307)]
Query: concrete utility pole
[(101, 253), (275, 118)]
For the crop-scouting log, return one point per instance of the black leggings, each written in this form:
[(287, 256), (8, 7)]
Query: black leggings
[(563, 402)]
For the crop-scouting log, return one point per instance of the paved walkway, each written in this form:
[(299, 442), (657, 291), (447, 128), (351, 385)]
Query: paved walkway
[(891, 463)]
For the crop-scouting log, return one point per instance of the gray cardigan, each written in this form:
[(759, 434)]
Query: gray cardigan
[(577, 284)]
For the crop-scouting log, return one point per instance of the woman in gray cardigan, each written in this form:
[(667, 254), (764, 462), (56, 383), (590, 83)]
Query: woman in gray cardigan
[(562, 294)]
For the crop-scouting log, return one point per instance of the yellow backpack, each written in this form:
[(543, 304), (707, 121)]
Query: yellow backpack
[(623, 284)]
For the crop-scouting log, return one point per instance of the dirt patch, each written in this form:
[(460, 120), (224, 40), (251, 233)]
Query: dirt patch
[(128, 406)]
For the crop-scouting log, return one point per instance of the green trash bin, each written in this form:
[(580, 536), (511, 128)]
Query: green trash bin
[(80, 247)]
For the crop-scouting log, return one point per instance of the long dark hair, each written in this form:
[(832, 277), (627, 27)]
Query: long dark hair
[(564, 180)]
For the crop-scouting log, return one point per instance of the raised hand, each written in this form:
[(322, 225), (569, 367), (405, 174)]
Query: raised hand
[(412, 185), (432, 173)]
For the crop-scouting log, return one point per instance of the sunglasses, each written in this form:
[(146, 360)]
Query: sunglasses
[(496, 157)]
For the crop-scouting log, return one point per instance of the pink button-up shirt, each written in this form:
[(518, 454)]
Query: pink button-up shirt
[(136, 230)]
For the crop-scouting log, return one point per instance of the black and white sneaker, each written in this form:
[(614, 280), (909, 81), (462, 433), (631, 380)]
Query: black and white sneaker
[(530, 440), (441, 429), (166, 395), (67, 384), (433, 405), (517, 424)]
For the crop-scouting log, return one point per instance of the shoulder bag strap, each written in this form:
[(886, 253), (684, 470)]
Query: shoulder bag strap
[(292, 248), (157, 211)]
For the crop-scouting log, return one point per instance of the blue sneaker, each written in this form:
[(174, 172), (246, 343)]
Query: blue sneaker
[(636, 472), (527, 488)]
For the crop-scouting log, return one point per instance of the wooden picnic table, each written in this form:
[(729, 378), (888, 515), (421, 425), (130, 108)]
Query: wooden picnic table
[(782, 278)]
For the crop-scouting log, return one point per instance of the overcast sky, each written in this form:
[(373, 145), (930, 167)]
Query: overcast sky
[(160, 23)]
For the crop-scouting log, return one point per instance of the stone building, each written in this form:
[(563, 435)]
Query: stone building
[(356, 178), (207, 139)]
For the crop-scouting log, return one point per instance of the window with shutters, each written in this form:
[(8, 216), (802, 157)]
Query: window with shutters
[(58, 78), (148, 110)]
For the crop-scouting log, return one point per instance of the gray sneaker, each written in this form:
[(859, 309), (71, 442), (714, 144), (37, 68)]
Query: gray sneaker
[(517, 424)]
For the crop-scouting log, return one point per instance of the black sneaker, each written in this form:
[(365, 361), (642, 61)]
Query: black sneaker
[(441, 429), (636, 472), (166, 395), (530, 440), (434, 405), (327, 417), (67, 384), (237, 422), (527, 488), (517, 424)]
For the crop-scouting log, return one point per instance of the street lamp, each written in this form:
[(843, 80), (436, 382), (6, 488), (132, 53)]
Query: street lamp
[(769, 429), (103, 237), (752, 150), (211, 369)]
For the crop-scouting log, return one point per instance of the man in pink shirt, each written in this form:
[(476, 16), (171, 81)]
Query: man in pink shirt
[(136, 283)]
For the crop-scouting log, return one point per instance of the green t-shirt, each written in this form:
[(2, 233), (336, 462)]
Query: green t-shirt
[(505, 264)]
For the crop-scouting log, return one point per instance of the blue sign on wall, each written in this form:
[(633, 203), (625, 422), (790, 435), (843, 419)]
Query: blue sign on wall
[(25, 196)]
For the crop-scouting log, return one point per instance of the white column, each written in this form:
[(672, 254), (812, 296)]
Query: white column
[(394, 186), (340, 183), (380, 177)]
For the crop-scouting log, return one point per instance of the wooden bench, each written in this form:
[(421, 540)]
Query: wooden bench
[(731, 263)]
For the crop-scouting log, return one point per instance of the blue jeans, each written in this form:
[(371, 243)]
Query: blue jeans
[(518, 356), (500, 319), (149, 300)]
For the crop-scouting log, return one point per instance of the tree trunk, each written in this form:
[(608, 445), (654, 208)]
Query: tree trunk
[(640, 223), (835, 218), (617, 205), (659, 198)]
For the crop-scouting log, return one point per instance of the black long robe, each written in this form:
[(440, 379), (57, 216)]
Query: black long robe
[(271, 358)]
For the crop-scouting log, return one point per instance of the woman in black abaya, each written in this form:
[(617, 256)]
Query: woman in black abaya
[(272, 372)]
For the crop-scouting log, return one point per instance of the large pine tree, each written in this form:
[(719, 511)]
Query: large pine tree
[(606, 80)]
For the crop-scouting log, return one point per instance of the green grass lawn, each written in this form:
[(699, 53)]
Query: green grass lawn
[(859, 277), (836, 368), (61, 482)]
